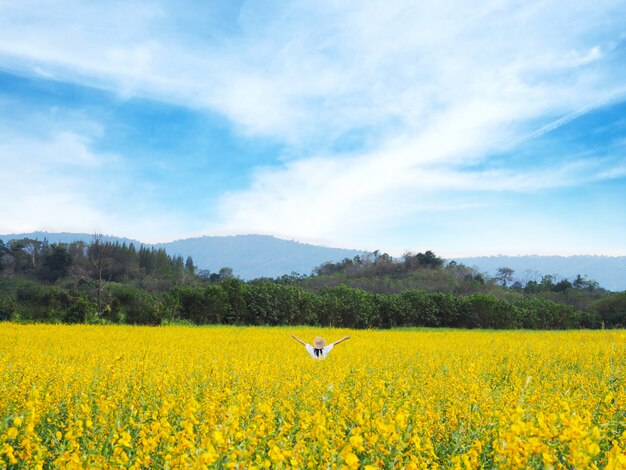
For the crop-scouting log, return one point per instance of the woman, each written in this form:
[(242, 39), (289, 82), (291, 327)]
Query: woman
[(319, 350)]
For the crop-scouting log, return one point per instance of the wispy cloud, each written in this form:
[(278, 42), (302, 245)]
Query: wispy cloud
[(56, 181), (320, 69), (40, 179), (433, 88), (347, 200), (614, 96)]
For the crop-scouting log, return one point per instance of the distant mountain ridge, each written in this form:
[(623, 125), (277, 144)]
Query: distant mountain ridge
[(250, 256), (608, 271), (67, 237), (253, 256)]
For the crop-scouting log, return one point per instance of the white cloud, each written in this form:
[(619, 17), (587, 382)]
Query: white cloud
[(317, 69), (39, 184), (436, 86), (55, 181), (616, 95), (462, 82), (353, 199)]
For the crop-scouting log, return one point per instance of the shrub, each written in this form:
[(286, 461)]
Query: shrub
[(489, 312), (135, 306)]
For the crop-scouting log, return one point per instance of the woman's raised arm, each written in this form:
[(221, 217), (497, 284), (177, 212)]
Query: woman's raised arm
[(299, 340), (342, 339)]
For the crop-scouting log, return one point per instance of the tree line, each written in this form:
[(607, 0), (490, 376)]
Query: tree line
[(383, 274), (105, 282), (85, 262), (234, 302)]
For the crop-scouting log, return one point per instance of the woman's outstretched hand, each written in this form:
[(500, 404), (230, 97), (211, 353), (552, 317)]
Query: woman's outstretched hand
[(342, 339), (298, 339)]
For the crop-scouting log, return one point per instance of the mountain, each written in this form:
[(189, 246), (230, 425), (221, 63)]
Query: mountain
[(250, 256), (608, 271), (67, 237), (253, 256)]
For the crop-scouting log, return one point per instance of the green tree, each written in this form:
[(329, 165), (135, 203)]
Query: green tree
[(612, 310), (350, 308), (98, 253), (190, 269), (422, 310), (56, 263), (490, 312), (505, 276), (236, 291)]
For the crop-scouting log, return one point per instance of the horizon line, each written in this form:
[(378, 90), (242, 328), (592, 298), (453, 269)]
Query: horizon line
[(311, 243)]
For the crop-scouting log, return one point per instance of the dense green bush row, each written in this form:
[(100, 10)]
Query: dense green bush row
[(266, 303)]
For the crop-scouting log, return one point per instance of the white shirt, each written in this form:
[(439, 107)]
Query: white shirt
[(325, 351)]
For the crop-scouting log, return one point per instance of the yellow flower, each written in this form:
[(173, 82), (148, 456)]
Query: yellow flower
[(218, 438), (352, 460), (178, 397)]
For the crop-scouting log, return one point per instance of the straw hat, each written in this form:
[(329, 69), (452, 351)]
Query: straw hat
[(319, 343)]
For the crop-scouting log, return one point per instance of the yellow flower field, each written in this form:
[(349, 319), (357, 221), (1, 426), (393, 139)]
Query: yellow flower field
[(225, 397)]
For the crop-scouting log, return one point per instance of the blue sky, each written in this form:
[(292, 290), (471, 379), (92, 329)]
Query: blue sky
[(468, 128)]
